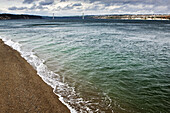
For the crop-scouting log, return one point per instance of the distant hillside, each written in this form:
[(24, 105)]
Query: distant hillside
[(12, 16)]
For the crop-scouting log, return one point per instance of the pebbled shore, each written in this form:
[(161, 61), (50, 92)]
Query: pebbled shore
[(21, 89)]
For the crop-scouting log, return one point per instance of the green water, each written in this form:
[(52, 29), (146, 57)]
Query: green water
[(113, 65)]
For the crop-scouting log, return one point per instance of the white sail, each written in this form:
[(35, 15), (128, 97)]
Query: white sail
[(83, 16), (53, 16)]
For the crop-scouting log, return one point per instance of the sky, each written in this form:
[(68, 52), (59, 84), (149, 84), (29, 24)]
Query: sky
[(89, 7)]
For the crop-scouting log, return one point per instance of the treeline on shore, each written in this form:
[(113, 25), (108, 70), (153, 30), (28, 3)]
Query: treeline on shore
[(12, 16)]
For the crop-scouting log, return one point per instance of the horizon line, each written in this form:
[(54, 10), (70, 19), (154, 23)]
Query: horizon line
[(86, 15)]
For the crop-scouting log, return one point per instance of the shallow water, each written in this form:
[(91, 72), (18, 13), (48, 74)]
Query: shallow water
[(98, 65)]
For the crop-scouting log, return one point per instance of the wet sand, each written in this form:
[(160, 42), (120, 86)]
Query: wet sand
[(21, 89)]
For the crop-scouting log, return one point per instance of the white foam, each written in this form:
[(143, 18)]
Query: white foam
[(48, 76)]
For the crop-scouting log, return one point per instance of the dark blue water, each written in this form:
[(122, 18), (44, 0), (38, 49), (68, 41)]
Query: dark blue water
[(99, 65)]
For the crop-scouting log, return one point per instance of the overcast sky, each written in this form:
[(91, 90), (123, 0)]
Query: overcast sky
[(89, 7)]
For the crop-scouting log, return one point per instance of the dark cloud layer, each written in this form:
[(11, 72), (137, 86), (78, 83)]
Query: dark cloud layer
[(37, 7), (77, 4), (17, 8), (124, 2), (158, 6), (155, 3), (28, 1), (33, 7), (132, 1), (63, 0), (47, 2)]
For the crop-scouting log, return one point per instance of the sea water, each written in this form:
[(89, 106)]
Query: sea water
[(120, 66)]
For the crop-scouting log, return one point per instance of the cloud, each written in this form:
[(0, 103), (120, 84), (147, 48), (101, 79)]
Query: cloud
[(96, 6), (62, 0), (69, 6), (46, 2), (124, 2), (129, 6), (17, 8), (91, 7), (28, 1), (34, 7), (77, 4)]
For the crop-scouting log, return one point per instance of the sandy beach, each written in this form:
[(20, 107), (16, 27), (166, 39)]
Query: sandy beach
[(21, 89)]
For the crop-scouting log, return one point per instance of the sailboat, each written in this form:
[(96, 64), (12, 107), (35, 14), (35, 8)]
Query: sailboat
[(53, 16), (83, 16)]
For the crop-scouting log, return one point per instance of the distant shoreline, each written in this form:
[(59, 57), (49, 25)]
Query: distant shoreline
[(123, 17), (134, 17), (12, 16)]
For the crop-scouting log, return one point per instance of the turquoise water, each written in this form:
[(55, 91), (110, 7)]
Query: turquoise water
[(120, 66)]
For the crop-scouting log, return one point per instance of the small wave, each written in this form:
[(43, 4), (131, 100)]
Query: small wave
[(66, 94)]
